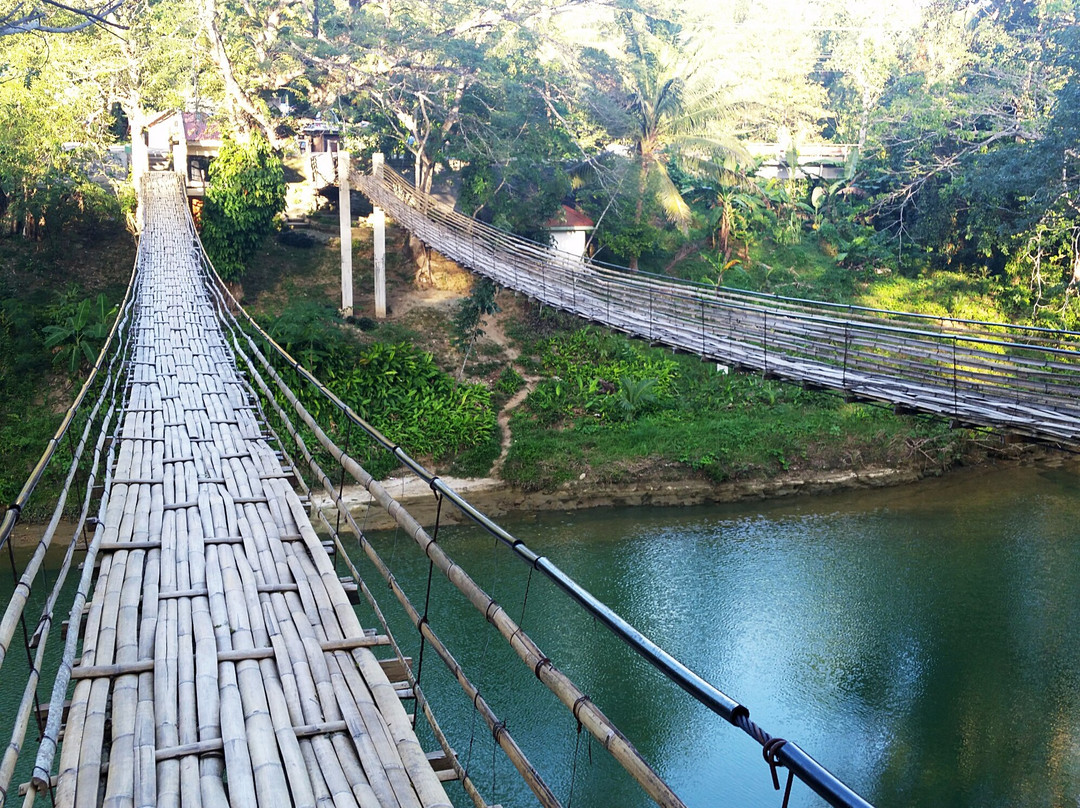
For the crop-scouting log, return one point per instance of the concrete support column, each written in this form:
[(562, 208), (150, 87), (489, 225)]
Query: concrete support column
[(345, 216), (140, 163), (180, 160), (377, 163), (378, 238)]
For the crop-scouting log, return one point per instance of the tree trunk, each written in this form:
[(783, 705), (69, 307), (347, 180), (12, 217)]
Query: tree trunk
[(244, 109), (639, 207)]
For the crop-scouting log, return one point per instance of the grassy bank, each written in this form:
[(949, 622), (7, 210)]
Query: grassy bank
[(616, 410), (50, 290), (598, 407)]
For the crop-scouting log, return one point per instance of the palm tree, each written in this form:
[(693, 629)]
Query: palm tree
[(677, 113)]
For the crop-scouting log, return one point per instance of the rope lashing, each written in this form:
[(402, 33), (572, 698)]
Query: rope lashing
[(541, 662), (577, 706), (770, 753)]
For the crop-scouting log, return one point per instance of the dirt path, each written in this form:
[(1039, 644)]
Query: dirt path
[(504, 422)]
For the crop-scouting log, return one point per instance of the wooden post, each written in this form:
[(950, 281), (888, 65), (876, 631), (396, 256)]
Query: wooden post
[(345, 214), (378, 237)]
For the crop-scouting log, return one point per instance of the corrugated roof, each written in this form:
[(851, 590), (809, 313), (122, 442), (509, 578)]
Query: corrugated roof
[(569, 218), (198, 126)]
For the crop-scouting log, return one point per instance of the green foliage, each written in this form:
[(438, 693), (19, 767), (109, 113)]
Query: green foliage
[(724, 426), (405, 395), (509, 382), (600, 375), (311, 333), (53, 139), (79, 332), (246, 193), (513, 177), (396, 387), (479, 304), (634, 396)]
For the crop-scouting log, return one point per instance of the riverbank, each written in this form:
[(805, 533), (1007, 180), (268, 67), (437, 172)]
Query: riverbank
[(497, 498)]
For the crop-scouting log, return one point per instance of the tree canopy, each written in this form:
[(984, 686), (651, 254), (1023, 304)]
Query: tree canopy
[(960, 117)]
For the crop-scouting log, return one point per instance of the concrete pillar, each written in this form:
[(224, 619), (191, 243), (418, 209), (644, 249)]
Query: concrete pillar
[(180, 158), (140, 164), (378, 238), (377, 163), (345, 216)]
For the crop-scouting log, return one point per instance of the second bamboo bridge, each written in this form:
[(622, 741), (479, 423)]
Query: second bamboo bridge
[(1021, 380)]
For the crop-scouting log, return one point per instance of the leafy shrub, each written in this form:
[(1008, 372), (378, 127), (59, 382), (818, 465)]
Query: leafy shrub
[(472, 309), (309, 332), (509, 382), (396, 387), (79, 334), (602, 375), (246, 192)]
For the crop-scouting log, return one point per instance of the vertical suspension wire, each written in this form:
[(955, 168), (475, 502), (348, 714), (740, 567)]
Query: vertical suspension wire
[(341, 478), (427, 594), (16, 577)]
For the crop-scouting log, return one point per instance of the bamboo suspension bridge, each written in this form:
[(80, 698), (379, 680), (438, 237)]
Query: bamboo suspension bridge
[(1020, 380), (212, 654)]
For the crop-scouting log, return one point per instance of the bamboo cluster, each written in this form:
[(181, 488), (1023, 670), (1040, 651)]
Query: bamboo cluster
[(221, 661)]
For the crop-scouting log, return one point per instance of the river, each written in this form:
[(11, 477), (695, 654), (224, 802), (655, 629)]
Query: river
[(922, 642)]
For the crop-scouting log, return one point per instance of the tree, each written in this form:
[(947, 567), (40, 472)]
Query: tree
[(675, 113), (54, 104), (51, 17), (479, 304), (975, 80), (246, 192)]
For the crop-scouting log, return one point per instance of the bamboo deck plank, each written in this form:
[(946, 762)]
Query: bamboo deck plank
[(202, 681)]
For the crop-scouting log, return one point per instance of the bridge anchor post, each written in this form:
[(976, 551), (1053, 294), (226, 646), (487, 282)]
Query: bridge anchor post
[(345, 216), (378, 238)]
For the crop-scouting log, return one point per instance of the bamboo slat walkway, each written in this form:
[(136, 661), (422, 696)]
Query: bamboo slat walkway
[(1021, 380), (221, 662)]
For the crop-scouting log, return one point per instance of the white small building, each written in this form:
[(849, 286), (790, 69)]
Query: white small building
[(569, 231)]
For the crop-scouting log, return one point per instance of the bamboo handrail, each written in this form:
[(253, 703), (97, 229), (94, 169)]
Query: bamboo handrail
[(14, 509)]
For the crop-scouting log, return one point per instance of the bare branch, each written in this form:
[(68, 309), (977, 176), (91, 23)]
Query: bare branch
[(26, 18)]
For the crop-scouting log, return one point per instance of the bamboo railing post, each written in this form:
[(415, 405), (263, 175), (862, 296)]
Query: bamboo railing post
[(955, 392)]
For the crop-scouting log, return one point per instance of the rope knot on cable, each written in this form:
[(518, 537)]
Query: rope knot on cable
[(577, 706), (771, 752), (541, 662)]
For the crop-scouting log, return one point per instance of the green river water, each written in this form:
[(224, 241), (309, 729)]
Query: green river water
[(922, 642)]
